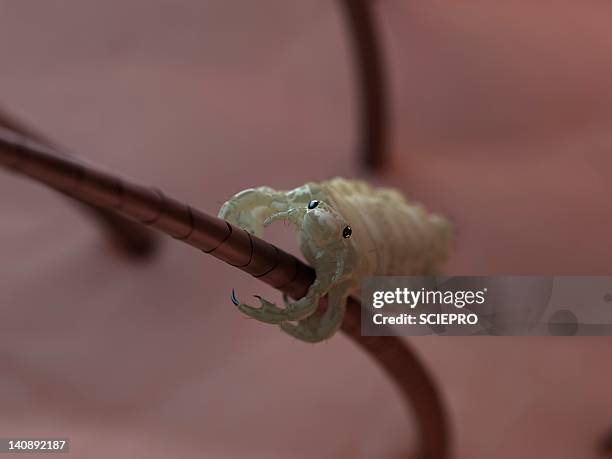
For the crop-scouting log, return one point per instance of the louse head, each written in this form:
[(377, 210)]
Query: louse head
[(324, 226), (324, 236), (319, 226)]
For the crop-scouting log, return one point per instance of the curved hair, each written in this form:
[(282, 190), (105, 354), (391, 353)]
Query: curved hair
[(368, 56)]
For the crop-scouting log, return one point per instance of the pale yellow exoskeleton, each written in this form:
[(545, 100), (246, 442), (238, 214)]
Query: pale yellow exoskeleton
[(347, 231)]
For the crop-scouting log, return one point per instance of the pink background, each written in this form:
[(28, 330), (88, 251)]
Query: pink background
[(501, 119)]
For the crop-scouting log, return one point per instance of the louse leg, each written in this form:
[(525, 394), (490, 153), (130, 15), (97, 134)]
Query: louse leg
[(329, 273), (250, 208), (253, 210), (321, 325), (269, 313)]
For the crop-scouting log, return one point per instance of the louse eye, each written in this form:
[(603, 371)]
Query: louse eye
[(346, 232), (312, 204)]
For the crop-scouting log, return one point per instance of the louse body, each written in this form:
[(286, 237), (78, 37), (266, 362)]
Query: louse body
[(347, 230)]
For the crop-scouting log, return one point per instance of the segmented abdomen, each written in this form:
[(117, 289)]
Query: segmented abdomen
[(392, 236)]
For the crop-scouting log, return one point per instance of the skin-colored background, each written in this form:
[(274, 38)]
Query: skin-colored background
[(501, 115)]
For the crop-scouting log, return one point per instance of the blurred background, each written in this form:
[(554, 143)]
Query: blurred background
[(500, 118)]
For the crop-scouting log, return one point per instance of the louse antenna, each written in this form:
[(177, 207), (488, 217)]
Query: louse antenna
[(150, 207)]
